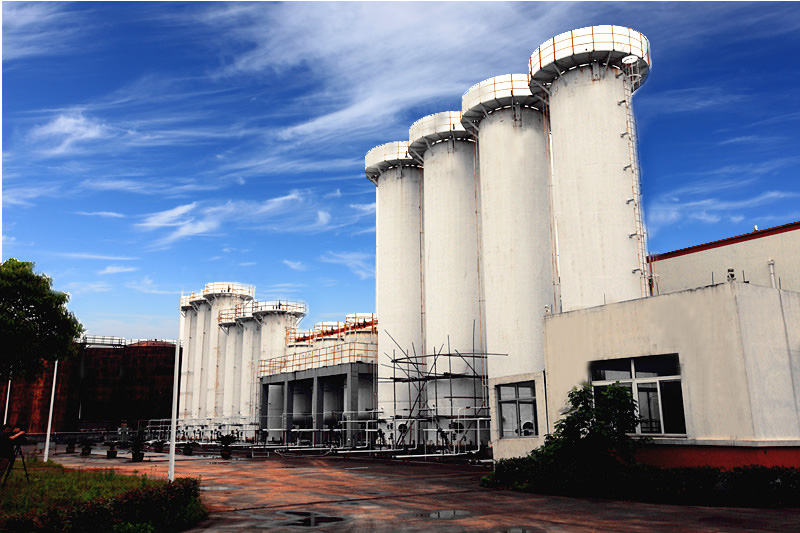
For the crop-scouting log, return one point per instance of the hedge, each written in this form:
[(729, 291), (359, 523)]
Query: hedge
[(173, 506), (749, 486)]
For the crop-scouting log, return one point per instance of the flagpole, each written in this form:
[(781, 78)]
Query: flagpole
[(50, 418), (173, 430), (8, 395)]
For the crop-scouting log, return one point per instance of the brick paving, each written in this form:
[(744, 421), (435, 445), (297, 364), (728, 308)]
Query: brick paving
[(341, 494)]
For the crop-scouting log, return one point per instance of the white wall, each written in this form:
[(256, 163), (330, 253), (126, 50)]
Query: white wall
[(737, 344), (697, 269)]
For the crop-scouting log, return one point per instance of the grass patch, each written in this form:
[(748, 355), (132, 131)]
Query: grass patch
[(51, 485), (59, 499)]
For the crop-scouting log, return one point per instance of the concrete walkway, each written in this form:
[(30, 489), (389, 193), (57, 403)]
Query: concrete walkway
[(338, 494)]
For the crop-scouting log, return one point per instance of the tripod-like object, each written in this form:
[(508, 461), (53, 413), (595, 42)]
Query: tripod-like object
[(7, 474)]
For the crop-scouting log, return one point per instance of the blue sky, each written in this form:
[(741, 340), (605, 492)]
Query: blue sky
[(151, 148)]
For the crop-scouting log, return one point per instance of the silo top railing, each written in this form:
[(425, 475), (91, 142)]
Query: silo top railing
[(252, 307), (580, 47), (386, 156), (238, 289), (496, 93), (435, 128)]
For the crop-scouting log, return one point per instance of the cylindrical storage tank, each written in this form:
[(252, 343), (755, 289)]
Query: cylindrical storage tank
[(228, 325), (360, 327), (398, 279), (590, 75), (222, 297), (517, 251), (453, 323), (188, 357), (275, 319), (199, 377), (250, 349), (328, 333)]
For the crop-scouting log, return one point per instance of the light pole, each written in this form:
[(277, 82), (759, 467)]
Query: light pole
[(50, 418)]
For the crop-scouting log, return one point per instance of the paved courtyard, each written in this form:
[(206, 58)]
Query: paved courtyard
[(340, 494)]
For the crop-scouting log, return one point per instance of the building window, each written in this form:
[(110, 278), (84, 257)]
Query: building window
[(517, 405), (655, 382)]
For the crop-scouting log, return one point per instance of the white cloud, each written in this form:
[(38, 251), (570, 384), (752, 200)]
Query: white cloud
[(113, 269), (104, 214), (669, 209), (365, 67), (295, 265), (147, 285), (38, 28), (79, 255), (60, 134), (364, 209), (248, 263), (360, 263), (83, 287), (170, 217)]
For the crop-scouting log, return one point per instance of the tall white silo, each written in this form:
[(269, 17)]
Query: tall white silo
[(188, 357), (398, 283), (251, 349), (198, 379), (453, 322), (222, 296), (589, 76), (227, 323), (517, 251)]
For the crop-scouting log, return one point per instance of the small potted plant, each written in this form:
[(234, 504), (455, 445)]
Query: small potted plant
[(86, 447), (225, 441), (187, 448), (158, 446), (71, 441), (137, 448), (111, 453)]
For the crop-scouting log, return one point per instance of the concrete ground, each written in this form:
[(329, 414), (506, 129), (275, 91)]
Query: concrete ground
[(339, 494)]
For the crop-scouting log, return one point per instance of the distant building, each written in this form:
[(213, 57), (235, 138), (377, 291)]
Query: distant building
[(111, 381)]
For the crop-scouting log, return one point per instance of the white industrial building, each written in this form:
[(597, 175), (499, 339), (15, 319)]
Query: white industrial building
[(512, 266)]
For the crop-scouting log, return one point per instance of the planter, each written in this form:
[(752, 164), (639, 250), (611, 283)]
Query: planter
[(70, 448), (158, 448), (187, 450), (110, 454), (86, 450), (225, 454), (137, 457)]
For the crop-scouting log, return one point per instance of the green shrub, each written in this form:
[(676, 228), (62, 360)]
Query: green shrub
[(591, 455), (172, 506)]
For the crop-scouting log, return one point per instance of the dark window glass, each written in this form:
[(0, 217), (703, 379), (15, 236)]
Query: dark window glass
[(517, 406), (672, 407), (611, 369), (657, 365), (648, 408)]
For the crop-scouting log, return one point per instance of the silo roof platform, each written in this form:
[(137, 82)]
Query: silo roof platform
[(575, 48), (435, 128), (386, 156), (493, 94), (239, 289)]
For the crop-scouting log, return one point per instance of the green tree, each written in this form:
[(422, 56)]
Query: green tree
[(598, 421), (35, 324)]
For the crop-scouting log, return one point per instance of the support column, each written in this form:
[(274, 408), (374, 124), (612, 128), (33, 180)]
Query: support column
[(288, 411), (317, 395), (351, 404)]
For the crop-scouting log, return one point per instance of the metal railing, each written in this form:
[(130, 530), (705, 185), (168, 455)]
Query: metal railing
[(337, 354), (252, 307)]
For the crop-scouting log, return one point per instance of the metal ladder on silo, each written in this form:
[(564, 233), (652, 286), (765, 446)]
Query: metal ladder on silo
[(633, 78)]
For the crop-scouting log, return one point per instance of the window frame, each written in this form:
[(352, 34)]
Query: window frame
[(634, 383), (516, 401)]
